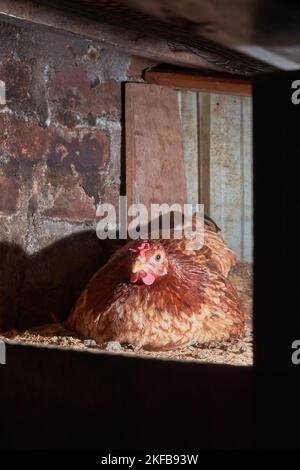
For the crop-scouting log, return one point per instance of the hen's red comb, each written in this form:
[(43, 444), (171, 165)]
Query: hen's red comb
[(141, 249)]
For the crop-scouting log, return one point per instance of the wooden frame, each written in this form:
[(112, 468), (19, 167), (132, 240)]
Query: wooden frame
[(196, 82), (126, 40)]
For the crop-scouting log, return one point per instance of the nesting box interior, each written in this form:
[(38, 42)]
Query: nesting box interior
[(83, 123)]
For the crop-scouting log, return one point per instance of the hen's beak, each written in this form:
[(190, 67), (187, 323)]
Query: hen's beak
[(138, 266)]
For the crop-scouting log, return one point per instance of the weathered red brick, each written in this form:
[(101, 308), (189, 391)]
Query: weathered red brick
[(73, 205), (17, 77), (9, 195), (111, 194), (85, 150), (108, 99), (138, 65), (71, 93), (22, 140), (62, 147)]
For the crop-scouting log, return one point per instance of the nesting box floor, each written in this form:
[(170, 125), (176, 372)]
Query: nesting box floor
[(231, 352)]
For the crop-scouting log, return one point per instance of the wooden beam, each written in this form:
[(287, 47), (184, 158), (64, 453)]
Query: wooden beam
[(200, 83), (266, 30), (124, 39)]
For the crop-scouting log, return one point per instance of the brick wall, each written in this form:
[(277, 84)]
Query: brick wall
[(60, 153)]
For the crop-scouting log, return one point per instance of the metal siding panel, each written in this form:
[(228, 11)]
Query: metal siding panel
[(218, 162), (226, 191), (189, 123), (204, 149), (247, 221), (2, 93), (179, 98)]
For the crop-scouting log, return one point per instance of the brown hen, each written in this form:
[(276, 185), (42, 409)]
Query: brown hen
[(161, 295)]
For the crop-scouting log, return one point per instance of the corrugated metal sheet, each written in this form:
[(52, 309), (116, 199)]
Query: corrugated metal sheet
[(2, 93), (218, 162)]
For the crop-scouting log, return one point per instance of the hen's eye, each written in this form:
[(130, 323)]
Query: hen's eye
[(158, 257)]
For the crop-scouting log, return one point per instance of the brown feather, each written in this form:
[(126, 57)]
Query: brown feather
[(193, 303)]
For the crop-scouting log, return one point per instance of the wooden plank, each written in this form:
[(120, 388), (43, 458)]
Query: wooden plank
[(154, 152), (267, 31), (132, 42), (200, 83), (189, 117)]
